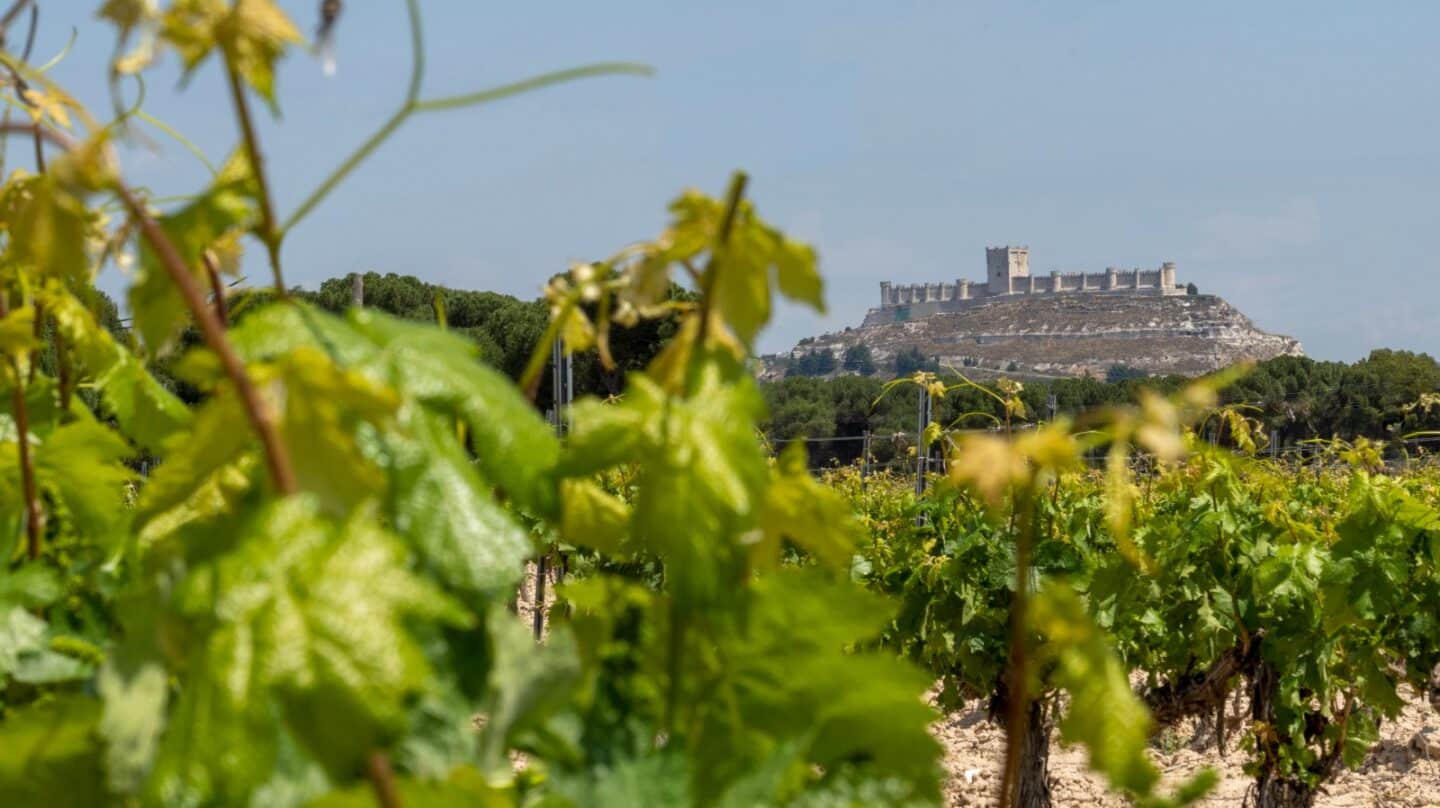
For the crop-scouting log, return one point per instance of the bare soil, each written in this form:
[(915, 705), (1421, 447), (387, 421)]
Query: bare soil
[(1403, 771)]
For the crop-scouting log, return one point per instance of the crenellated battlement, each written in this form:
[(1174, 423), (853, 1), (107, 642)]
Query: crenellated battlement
[(1007, 274)]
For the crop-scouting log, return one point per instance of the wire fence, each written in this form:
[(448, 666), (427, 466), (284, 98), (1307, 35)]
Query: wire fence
[(901, 458)]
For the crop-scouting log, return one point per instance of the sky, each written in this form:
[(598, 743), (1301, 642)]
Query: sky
[(1284, 155)]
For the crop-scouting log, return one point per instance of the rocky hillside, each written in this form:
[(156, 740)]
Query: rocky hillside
[(1067, 335)]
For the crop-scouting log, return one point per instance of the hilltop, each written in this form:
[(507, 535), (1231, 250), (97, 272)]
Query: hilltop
[(1064, 335)]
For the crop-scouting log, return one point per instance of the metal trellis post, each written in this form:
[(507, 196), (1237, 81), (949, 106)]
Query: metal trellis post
[(922, 452), (562, 386), (864, 460)]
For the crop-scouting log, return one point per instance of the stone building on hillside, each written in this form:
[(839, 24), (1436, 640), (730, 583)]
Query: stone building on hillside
[(1008, 273)]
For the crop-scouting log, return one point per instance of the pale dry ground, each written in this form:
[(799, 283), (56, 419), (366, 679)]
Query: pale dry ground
[(525, 597), (1403, 771)]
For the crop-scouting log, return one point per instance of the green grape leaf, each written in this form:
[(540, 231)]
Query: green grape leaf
[(1104, 714), (441, 733), (196, 461), (320, 612), (254, 34), (602, 435), (441, 370), (788, 675), (1291, 573), (190, 26), (1361, 733), (52, 754), (31, 586), (810, 514), (50, 229), (158, 308), (700, 479), (25, 653), (48, 667), (131, 722), (660, 778), (440, 503), (743, 261), (795, 270), (274, 330), (741, 290), (527, 682), (21, 634), (80, 462), (464, 787), (589, 517), (255, 38), (147, 412), (17, 331), (323, 407), (295, 779), (220, 741), (127, 14)]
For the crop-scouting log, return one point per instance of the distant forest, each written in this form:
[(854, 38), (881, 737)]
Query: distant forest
[(1387, 395), (1390, 393)]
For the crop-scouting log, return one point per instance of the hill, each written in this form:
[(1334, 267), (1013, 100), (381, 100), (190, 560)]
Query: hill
[(1065, 335)]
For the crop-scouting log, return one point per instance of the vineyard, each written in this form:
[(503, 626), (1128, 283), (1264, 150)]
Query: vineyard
[(1280, 615), (301, 591)]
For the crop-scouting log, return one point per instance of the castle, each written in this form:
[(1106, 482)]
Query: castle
[(1008, 273)]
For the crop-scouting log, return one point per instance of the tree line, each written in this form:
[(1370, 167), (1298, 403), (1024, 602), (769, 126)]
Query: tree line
[(505, 329), (1387, 395)]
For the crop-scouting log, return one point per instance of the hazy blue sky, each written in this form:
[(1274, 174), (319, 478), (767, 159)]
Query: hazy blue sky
[(1284, 155)]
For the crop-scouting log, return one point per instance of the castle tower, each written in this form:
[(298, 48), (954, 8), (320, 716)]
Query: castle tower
[(1003, 265), (1167, 277), (885, 298), (962, 289)]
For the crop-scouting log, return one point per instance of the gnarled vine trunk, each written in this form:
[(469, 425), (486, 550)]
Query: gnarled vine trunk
[(1197, 694), (1271, 789), (1033, 785), (1032, 788)]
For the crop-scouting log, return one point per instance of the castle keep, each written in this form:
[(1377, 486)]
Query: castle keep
[(1008, 273)]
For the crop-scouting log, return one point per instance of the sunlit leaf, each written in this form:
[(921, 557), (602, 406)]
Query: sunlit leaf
[(147, 413), (526, 682), (81, 463), (314, 624), (52, 754), (254, 34), (439, 501), (158, 308), (813, 516), (131, 724), (1103, 714), (17, 331)]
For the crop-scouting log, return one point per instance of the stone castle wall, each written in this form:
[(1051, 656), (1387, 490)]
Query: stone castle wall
[(1009, 267)]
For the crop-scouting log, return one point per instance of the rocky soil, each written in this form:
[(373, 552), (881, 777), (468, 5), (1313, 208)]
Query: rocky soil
[(1069, 335), (1403, 771)]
